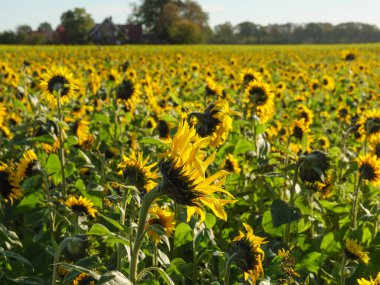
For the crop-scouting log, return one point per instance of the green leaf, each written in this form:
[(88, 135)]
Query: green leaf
[(113, 278), (260, 129), (153, 141), (110, 237), (112, 222), (99, 230), (329, 245), (71, 140), (243, 146), (165, 276), (310, 263), (44, 139), (17, 257), (178, 269), (69, 169), (101, 118), (210, 220), (268, 225), (182, 234), (283, 213), (53, 167)]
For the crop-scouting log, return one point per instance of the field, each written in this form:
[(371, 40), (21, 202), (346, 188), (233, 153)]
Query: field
[(190, 165)]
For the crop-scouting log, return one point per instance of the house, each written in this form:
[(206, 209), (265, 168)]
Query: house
[(109, 33)]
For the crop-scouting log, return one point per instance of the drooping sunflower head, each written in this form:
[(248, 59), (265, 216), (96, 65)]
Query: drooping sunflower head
[(28, 165), (9, 184), (251, 256), (369, 168), (214, 122), (371, 281), (84, 279), (354, 251), (138, 173), (314, 167), (162, 217), (184, 179), (58, 80), (369, 124), (230, 164), (81, 206)]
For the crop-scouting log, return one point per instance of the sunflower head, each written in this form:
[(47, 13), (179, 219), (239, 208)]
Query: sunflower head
[(212, 88), (28, 165), (127, 92), (354, 251), (369, 168), (230, 164), (162, 217), (249, 252), (58, 80), (369, 124), (9, 184), (138, 173), (303, 112), (298, 128), (371, 281), (84, 279), (184, 179), (81, 206), (314, 166)]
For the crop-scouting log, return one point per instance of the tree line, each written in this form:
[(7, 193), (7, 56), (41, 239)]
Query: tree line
[(185, 22)]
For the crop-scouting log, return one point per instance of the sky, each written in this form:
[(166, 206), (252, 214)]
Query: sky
[(33, 12)]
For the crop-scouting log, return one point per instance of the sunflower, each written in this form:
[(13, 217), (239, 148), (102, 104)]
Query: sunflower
[(328, 83), (363, 281), (184, 179), (314, 85), (323, 142), (163, 129), (162, 217), (314, 167), (81, 205), (214, 122), (369, 124), (344, 114), (303, 112), (354, 251), (348, 55), (82, 131), (84, 279), (58, 79), (28, 165), (9, 184), (248, 75), (375, 146), (251, 256), (369, 168), (212, 88), (323, 188), (230, 164), (136, 172), (128, 92), (259, 96), (298, 128)]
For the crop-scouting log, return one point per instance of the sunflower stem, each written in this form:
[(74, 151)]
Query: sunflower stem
[(341, 271), (146, 202), (354, 204), (57, 254), (61, 147), (291, 199), (227, 274), (122, 222)]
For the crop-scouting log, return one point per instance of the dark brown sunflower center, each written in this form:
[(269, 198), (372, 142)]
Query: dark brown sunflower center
[(80, 209), (87, 280), (372, 125), (343, 112), (258, 95), (229, 166), (325, 82), (134, 176), (315, 86), (350, 57), (156, 221), (58, 83), (298, 132), (163, 129), (367, 171), (248, 256), (210, 91), (125, 90), (5, 186), (350, 254), (31, 169), (178, 186)]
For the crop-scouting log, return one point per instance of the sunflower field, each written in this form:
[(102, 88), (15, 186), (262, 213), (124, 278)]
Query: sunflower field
[(190, 165)]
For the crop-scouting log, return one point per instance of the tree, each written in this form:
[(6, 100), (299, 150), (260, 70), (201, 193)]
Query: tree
[(77, 24), (224, 34), (184, 31), (45, 27)]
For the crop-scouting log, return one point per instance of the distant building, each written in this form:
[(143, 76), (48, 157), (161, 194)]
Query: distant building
[(109, 33)]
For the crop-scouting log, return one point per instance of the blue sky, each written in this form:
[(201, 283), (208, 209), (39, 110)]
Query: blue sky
[(33, 12)]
